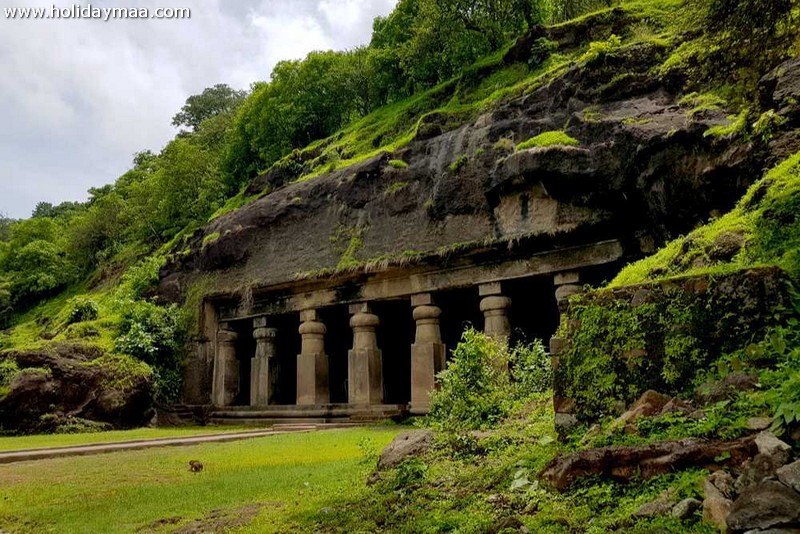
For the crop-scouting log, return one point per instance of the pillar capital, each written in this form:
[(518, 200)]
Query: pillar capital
[(495, 313), (422, 313), (224, 335), (265, 333), (495, 303), (309, 316), (311, 328), (260, 322), (364, 321)]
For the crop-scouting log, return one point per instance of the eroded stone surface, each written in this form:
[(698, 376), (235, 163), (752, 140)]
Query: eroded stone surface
[(404, 446)]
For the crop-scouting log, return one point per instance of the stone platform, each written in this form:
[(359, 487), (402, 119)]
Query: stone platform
[(325, 413)]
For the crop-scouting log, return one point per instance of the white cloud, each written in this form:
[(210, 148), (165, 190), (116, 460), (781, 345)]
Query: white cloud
[(79, 97)]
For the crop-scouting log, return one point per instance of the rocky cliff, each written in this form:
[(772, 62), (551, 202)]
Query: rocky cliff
[(644, 169)]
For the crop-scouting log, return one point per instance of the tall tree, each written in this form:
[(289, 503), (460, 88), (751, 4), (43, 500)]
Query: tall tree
[(211, 102)]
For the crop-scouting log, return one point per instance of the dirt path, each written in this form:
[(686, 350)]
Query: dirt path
[(28, 455)]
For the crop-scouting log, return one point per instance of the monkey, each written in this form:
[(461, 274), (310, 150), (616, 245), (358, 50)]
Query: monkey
[(195, 466)]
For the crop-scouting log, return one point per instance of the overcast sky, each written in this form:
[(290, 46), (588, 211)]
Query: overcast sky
[(79, 97)]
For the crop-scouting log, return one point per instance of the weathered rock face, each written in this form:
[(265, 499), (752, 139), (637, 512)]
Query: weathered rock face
[(625, 463), (406, 445), (69, 382), (644, 172)]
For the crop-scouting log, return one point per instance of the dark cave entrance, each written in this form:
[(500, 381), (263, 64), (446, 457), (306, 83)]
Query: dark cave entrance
[(460, 310), (395, 336), (245, 350), (287, 346), (338, 340), (534, 310)]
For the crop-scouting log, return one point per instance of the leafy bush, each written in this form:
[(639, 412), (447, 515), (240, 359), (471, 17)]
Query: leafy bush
[(601, 49), (484, 380), (81, 310), (551, 138), (473, 388), (151, 333)]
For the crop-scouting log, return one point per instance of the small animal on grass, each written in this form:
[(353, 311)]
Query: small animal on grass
[(195, 466)]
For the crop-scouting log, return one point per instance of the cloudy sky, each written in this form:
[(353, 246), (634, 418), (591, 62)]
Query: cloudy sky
[(79, 97)]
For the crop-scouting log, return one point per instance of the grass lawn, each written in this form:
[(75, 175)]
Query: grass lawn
[(259, 485), (15, 443)]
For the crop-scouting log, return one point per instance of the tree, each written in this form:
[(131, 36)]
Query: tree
[(211, 102)]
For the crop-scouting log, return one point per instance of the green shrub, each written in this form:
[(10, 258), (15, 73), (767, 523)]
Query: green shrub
[(151, 333), (143, 276), (82, 309), (601, 49), (484, 380), (474, 387), (768, 125), (551, 138)]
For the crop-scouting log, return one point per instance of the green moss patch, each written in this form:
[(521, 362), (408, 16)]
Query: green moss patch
[(552, 138)]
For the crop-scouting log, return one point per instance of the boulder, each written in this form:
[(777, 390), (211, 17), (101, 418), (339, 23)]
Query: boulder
[(649, 404), (686, 508), (404, 446), (661, 506), (768, 504), (716, 504), (64, 384), (790, 475), (769, 445), (645, 461)]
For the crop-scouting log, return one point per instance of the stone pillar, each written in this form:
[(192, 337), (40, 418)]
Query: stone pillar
[(364, 372), (566, 285), (312, 362), (427, 352), (263, 375), (226, 368), (495, 311)]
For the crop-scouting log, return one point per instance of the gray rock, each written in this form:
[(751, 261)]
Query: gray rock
[(686, 508), (760, 467), (405, 445), (716, 506), (765, 505), (758, 423), (770, 445), (790, 475), (661, 506)]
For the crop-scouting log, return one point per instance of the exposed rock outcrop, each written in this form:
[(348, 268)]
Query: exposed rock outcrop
[(624, 463), (404, 446), (644, 172), (70, 383)]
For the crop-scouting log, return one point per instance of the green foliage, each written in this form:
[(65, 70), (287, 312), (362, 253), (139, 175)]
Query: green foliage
[(82, 309), (151, 333), (140, 278), (551, 138), (767, 125), (764, 218), (485, 380), (737, 125), (211, 102), (600, 50)]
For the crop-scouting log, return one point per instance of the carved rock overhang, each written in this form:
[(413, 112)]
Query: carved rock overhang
[(481, 266)]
